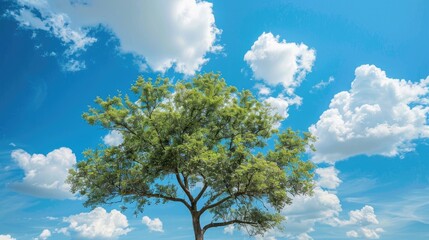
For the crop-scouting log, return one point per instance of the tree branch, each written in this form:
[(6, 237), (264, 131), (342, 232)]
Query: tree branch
[(201, 193), (182, 185), (221, 224), (174, 199)]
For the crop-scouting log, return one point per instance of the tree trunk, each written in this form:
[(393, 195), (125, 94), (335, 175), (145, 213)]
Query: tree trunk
[(199, 235)]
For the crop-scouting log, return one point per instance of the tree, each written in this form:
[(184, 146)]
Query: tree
[(199, 143)]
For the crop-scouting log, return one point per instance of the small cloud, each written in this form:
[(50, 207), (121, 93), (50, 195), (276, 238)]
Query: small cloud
[(12, 144), (154, 225), (229, 229), (6, 237), (352, 234), (73, 65), (114, 138), (51, 218), (323, 84), (44, 235), (263, 90)]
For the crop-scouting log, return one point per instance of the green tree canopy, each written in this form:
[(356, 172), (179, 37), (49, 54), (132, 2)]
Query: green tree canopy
[(200, 143)]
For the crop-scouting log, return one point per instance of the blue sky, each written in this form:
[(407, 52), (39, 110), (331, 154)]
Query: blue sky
[(353, 73)]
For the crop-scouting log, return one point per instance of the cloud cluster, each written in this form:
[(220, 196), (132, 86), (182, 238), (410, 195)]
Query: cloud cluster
[(154, 225), (324, 207), (97, 224), (281, 63), (172, 33), (45, 175), (377, 116), (367, 222)]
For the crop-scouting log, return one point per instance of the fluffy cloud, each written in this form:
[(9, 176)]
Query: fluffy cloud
[(278, 62), (113, 138), (44, 235), (377, 116), (327, 177), (45, 175), (154, 225), (97, 224), (171, 33), (366, 221), (365, 216), (6, 237), (305, 212), (280, 105)]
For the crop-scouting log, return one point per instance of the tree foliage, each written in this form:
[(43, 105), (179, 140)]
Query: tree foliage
[(200, 143)]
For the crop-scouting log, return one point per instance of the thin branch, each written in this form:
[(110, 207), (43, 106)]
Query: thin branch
[(182, 185), (174, 199), (201, 193)]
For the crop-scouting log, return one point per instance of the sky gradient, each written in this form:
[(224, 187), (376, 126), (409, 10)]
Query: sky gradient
[(353, 73)]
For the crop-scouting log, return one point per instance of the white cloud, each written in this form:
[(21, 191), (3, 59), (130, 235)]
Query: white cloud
[(97, 224), (45, 175), (171, 33), (262, 89), (113, 138), (278, 62), (352, 233), (154, 225), (328, 177), (371, 233), (366, 222), (73, 65), (365, 216), (229, 229), (323, 84), (305, 212), (377, 116), (280, 104), (6, 237), (44, 235)]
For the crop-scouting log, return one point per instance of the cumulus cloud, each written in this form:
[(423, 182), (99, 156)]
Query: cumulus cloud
[(154, 225), (366, 222), (279, 63), (171, 33), (328, 177), (377, 116), (45, 175), (305, 212), (280, 105), (6, 237), (113, 138), (97, 224), (276, 63), (44, 235)]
